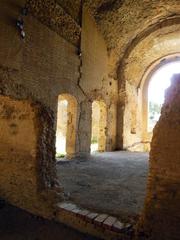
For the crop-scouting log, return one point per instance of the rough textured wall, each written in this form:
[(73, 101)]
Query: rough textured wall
[(162, 209), (72, 7), (58, 18), (27, 177)]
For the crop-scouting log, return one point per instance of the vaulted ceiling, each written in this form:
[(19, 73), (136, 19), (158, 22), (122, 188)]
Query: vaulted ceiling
[(124, 23)]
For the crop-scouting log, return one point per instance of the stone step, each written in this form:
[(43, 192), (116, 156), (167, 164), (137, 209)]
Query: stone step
[(97, 224)]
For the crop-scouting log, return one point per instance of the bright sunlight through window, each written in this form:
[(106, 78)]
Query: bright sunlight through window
[(159, 82)]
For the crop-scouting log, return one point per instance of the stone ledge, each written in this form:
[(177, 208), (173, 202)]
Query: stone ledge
[(96, 224)]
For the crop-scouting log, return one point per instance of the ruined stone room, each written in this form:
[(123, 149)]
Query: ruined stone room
[(90, 120)]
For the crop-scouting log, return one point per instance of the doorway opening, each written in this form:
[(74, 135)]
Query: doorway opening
[(66, 126), (99, 121)]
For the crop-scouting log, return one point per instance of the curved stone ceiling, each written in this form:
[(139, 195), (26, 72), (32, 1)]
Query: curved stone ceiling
[(121, 21), (158, 44)]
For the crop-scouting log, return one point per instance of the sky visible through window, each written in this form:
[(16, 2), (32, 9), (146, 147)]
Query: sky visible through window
[(159, 82)]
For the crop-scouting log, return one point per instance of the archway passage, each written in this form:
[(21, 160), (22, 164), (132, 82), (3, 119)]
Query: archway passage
[(158, 84), (99, 121), (66, 126)]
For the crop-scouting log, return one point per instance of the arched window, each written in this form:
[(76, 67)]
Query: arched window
[(99, 121), (66, 126), (154, 84), (159, 82)]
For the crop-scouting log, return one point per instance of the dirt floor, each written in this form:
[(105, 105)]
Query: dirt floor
[(16, 224), (113, 183)]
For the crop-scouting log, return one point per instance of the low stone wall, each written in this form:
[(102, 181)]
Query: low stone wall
[(100, 225)]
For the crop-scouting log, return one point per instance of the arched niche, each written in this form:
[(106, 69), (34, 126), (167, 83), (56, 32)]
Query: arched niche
[(66, 129), (99, 126)]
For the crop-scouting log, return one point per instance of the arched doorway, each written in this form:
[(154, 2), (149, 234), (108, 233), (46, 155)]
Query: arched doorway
[(66, 126), (155, 85), (99, 122)]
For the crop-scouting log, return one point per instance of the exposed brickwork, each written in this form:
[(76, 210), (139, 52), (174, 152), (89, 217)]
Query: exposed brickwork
[(100, 225), (54, 16)]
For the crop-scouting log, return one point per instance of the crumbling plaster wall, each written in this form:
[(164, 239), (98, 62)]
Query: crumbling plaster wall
[(27, 167), (162, 213)]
